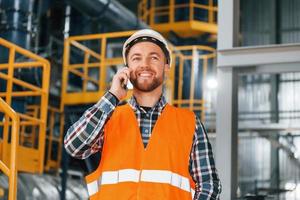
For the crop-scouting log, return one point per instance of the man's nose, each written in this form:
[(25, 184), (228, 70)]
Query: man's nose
[(145, 63)]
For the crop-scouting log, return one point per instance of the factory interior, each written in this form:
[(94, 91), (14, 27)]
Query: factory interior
[(236, 65)]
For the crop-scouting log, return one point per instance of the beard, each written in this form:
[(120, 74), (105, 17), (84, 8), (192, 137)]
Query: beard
[(146, 85)]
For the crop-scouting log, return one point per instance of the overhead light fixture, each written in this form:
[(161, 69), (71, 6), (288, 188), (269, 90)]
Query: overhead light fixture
[(211, 83)]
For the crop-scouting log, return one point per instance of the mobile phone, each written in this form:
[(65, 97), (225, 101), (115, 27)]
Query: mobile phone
[(124, 86)]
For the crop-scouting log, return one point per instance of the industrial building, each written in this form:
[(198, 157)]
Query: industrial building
[(236, 65)]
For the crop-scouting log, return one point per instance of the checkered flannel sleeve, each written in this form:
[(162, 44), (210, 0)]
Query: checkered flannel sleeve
[(202, 166), (86, 136)]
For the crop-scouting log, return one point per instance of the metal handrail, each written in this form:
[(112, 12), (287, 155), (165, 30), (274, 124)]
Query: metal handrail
[(50, 163), (191, 102), (92, 59), (31, 61), (149, 13), (101, 62), (11, 171)]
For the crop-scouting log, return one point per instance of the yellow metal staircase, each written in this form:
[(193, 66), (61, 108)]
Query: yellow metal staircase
[(30, 157), (10, 165)]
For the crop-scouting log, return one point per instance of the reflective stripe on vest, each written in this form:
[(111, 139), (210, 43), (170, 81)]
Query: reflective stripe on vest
[(133, 175)]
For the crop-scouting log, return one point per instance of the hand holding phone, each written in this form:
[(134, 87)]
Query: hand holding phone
[(119, 83)]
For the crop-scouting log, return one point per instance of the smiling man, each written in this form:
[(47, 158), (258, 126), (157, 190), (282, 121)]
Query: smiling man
[(149, 149)]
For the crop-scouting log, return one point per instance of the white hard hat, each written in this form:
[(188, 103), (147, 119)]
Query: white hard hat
[(149, 36)]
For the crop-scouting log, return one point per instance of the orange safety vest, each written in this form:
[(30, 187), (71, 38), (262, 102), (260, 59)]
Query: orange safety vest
[(128, 171)]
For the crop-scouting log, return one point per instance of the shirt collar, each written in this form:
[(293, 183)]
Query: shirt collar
[(161, 103)]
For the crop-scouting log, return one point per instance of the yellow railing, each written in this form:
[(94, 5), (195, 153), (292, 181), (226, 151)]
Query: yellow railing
[(91, 67), (191, 75), (167, 16), (11, 169), (54, 136), (94, 55), (54, 139), (31, 156), (28, 133), (98, 58)]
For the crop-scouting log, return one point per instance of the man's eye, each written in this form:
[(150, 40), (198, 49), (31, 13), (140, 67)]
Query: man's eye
[(135, 58), (154, 58)]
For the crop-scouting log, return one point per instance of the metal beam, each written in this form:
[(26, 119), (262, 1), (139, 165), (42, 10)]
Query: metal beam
[(226, 118), (274, 82), (228, 24), (226, 128), (272, 127), (274, 154), (275, 170), (233, 61), (259, 55), (270, 68)]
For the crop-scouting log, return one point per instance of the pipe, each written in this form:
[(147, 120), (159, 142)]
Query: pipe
[(17, 27), (14, 14), (110, 10)]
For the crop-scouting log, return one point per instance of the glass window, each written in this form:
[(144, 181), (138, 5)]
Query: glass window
[(268, 152), (266, 22)]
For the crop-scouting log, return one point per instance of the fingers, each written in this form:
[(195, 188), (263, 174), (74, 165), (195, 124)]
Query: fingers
[(126, 71), (123, 78), (119, 82), (124, 74)]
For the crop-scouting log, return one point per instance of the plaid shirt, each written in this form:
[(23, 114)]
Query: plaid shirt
[(86, 137)]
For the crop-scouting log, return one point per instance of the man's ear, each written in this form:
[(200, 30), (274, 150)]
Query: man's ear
[(167, 68)]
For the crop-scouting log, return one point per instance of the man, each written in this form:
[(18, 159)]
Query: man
[(149, 149)]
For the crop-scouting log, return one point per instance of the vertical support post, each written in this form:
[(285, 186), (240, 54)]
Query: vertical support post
[(64, 174), (10, 168), (152, 13), (8, 99), (228, 26), (210, 12), (226, 125), (275, 170), (275, 30), (192, 88), (50, 138), (65, 73), (204, 75), (172, 11), (13, 176), (170, 82), (61, 138), (191, 6), (85, 71), (227, 131), (33, 136), (180, 81), (277, 18), (102, 79), (43, 114)]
